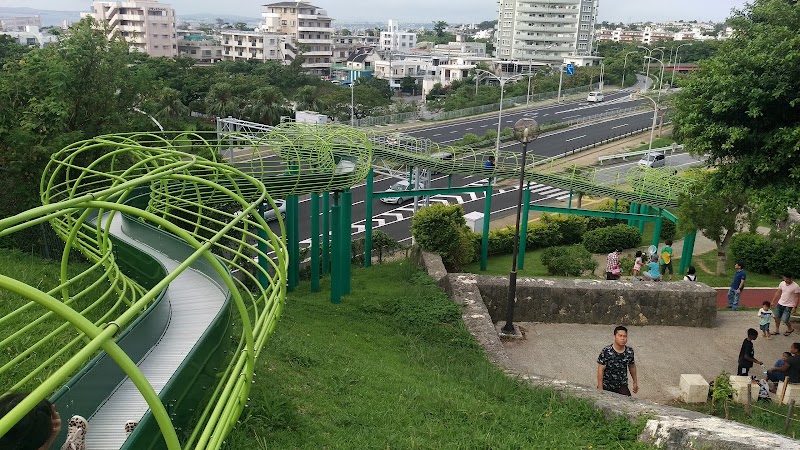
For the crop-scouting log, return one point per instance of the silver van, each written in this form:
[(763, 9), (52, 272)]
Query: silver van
[(595, 97), (653, 160)]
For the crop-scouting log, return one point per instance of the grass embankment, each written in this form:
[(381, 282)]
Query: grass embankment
[(766, 416), (394, 367), (43, 275)]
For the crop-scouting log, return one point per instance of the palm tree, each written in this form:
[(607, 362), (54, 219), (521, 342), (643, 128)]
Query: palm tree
[(306, 99), (266, 105), (171, 105), (221, 100)]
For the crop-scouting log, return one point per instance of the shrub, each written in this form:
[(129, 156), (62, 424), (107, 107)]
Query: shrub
[(754, 249), (668, 230), (442, 229), (571, 227), (490, 135), (602, 222), (541, 235), (786, 257), (605, 240), (501, 241), (470, 138), (568, 260), (383, 243)]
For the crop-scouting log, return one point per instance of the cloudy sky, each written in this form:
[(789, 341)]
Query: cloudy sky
[(421, 11)]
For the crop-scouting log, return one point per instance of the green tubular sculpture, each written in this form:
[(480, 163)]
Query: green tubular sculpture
[(203, 191)]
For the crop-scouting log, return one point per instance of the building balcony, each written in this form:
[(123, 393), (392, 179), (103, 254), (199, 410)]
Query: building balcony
[(313, 16), (317, 29), (316, 41), (538, 28), (525, 7), (317, 65), (318, 53)]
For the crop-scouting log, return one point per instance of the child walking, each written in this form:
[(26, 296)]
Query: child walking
[(637, 265), (764, 319)]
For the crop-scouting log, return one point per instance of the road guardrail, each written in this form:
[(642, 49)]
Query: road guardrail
[(672, 148)]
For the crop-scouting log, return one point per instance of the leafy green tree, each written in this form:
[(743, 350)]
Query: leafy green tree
[(266, 105), (742, 107), (438, 27), (714, 206), (170, 103), (79, 87), (306, 99), (408, 84), (10, 49), (380, 86), (221, 101)]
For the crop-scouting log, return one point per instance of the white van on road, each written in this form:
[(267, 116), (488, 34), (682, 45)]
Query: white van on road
[(653, 160), (595, 97)]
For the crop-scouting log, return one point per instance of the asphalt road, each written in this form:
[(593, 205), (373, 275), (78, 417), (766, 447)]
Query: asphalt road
[(395, 219)]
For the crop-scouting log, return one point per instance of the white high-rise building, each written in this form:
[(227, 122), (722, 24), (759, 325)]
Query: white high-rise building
[(310, 29), (147, 25), (545, 30), (397, 41)]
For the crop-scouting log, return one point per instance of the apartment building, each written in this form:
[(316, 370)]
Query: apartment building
[(31, 36), (648, 35), (147, 25), (310, 28), (346, 45), (202, 48), (545, 30), (395, 40), (19, 23)]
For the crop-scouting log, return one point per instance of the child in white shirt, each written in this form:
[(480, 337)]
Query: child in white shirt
[(765, 317)]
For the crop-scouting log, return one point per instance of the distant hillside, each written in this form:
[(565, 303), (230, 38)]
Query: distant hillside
[(54, 18), (49, 18)]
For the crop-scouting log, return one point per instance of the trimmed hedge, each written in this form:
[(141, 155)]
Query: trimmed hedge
[(594, 223), (551, 230), (570, 260), (605, 240), (442, 229), (668, 230)]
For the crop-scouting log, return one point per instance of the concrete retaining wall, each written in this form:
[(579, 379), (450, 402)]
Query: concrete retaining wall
[(603, 302), (666, 427)]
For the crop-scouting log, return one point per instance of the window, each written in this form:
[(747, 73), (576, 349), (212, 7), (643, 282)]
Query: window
[(583, 37), (586, 17), (587, 8), (584, 26), (582, 46)]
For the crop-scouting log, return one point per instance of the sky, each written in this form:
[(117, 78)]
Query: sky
[(423, 11)]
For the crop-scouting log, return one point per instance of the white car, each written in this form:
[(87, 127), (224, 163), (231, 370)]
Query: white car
[(400, 186), (653, 160), (595, 97)]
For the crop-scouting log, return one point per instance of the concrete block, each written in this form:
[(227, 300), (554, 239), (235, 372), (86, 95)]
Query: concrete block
[(792, 393), (740, 384), (694, 388)]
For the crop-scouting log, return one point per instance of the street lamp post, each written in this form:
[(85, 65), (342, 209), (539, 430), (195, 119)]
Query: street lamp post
[(647, 73), (352, 104), (655, 117), (624, 66), (661, 77), (672, 81), (525, 130), (502, 81)]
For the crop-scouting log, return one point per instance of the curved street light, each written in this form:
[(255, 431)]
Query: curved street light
[(624, 65), (502, 81), (655, 116), (672, 81), (661, 77), (644, 62)]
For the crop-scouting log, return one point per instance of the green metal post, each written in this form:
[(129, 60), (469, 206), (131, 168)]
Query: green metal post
[(657, 230), (262, 248), (683, 265), (632, 209), (326, 229), (523, 231), (643, 209), (449, 181), (690, 249), (314, 242), (347, 245), (293, 240), (487, 213), (368, 221), (569, 205), (336, 244)]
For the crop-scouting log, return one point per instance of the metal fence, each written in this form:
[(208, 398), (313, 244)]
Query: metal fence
[(383, 120)]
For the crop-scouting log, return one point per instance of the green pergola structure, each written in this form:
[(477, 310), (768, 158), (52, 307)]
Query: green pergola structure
[(117, 200)]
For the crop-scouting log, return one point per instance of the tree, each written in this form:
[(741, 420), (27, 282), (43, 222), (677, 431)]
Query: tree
[(169, 101), (266, 105), (742, 109), (79, 87), (714, 205), (408, 84), (439, 26), (221, 100), (306, 99), (381, 86)]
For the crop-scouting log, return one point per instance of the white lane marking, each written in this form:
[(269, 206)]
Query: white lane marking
[(570, 117), (620, 126), (437, 134), (468, 128), (454, 131), (572, 139)]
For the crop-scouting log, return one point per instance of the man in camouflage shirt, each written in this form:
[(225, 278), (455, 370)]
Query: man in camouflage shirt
[(613, 364)]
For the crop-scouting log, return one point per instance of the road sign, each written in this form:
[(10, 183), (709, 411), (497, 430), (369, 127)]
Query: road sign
[(570, 69)]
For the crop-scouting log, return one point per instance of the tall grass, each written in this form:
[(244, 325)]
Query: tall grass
[(394, 367)]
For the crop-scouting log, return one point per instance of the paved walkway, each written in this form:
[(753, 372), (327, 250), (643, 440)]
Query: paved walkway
[(569, 351)]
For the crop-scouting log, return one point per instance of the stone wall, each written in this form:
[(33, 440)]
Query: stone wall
[(602, 302), (667, 427)]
